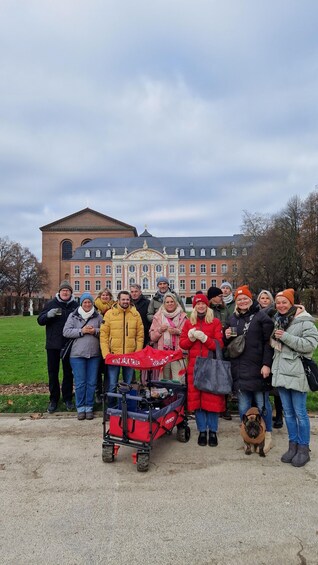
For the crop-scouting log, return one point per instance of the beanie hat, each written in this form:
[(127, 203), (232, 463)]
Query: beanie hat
[(86, 296), (214, 291), (199, 298), (243, 290), (226, 283), (65, 284), (162, 280), (289, 294)]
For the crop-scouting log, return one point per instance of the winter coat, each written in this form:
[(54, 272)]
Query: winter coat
[(300, 338), (197, 399), (54, 326), (220, 312), (101, 306), (157, 301), (122, 331), (85, 345), (246, 369), (157, 337), (142, 304)]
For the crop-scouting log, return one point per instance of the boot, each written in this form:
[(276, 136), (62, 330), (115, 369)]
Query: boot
[(302, 456), (268, 442), (213, 439), (278, 422), (292, 450), (203, 438)]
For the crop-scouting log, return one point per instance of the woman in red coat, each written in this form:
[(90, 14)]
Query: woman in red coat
[(198, 336)]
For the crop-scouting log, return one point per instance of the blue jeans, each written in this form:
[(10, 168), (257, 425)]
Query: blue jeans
[(296, 417), (85, 376), (206, 420), (245, 400), (113, 374)]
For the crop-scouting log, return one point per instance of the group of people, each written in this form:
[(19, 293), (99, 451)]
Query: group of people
[(277, 332)]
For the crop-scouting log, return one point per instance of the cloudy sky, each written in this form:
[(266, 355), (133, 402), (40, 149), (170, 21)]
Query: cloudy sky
[(177, 114)]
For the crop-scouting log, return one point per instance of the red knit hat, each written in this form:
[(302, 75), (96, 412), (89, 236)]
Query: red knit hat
[(200, 298), (289, 294), (243, 290)]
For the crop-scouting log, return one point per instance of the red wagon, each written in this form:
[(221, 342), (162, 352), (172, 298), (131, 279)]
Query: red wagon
[(144, 412)]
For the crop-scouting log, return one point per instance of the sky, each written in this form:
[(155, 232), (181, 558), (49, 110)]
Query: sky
[(175, 114)]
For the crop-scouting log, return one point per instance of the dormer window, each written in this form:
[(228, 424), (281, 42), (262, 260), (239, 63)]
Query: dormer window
[(213, 252), (108, 253), (192, 252), (181, 252), (98, 253), (223, 252), (87, 253), (202, 252)]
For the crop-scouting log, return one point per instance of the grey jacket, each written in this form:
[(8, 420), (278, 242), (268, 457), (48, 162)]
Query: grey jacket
[(85, 345), (300, 338)]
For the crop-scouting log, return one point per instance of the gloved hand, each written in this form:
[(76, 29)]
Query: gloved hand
[(191, 334), (200, 335), (52, 313)]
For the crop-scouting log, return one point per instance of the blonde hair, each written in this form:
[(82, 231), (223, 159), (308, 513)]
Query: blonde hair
[(237, 308), (208, 316), (105, 290)]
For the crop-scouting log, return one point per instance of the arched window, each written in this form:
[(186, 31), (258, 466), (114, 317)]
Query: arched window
[(108, 253), (98, 253), (181, 252), (87, 253), (192, 252), (67, 250), (213, 252), (202, 252), (145, 284)]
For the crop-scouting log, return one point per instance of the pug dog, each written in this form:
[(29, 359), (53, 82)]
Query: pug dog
[(253, 432)]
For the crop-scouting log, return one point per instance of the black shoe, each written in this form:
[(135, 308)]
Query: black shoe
[(213, 440), (226, 415), (52, 407), (278, 423), (98, 398), (203, 438), (69, 405)]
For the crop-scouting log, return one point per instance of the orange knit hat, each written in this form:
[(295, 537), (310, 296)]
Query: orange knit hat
[(243, 290), (289, 294)]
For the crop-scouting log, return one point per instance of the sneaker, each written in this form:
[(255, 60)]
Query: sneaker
[(69, 405), (89, 415), (52, 407), (81, 415)]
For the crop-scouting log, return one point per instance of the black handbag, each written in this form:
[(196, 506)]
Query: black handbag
[(236, 347), (66, 350), (311, 372), (213, 374)]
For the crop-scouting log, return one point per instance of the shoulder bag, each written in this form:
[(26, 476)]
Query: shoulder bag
[(213, 374), (66, 349), (237, 345), (311, 372)]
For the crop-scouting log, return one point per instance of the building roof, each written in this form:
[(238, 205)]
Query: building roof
[(61, 224)]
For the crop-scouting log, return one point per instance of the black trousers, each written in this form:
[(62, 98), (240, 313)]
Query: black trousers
[(53, 366), (102, 377)]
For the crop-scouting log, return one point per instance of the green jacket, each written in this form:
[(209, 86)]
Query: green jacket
[(300, 338)]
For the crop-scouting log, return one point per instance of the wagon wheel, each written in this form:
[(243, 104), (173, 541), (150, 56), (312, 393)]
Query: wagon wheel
[(183, 434), (108, 453), (143, 462)]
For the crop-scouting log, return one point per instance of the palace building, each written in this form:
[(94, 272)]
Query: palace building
[(94, 251)]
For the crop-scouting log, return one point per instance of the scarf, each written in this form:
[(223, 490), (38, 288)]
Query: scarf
[(173, 320), (228, 299), (85, 315), (282, 321)]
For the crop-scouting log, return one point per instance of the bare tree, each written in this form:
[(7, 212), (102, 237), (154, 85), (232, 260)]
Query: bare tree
[(20, 271)]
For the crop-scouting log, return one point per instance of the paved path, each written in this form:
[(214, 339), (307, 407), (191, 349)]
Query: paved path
[(60, 504)]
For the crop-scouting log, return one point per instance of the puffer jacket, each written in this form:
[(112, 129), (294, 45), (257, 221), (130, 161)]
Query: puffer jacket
[(85, 345), (300, 338), (54, 326), (122, 331), (197, 399), (246, 369)]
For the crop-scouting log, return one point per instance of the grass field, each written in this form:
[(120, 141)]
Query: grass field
[(23, 361)]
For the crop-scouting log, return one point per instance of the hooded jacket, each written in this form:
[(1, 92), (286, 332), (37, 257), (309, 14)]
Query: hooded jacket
[(122, 331), (300, 338)]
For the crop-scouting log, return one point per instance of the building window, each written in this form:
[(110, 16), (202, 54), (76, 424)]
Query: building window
[(87, 270), (118, 285), (234, 252), (145, 284), (145, 268), (223, 252), (98, 286), (192, 252), (223, 268), (213, 252), (76, 286), (98, 270), (108, 253), (131, 281), (87, 253), (76, 270), (171, 269), (118, 270), (67, 250), (87, 285), (158, 268), (182, 284), (108, 284), (234, 269), (131, 268), (181, 252), (213, 268), (192, 284), (244, 251), (203, 284), (213, 282), (202, 269), (171, 284), (98, 253), (108, 270), (202, 252), (192, 268), (182, 269)]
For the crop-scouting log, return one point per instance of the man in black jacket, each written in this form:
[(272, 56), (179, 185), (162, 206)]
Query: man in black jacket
[(54, 316), (141, 303)]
